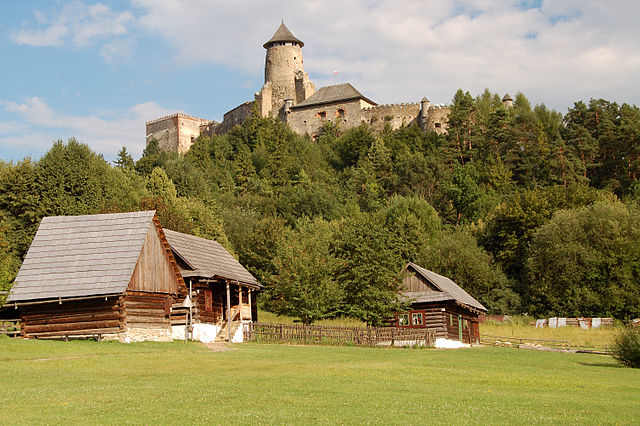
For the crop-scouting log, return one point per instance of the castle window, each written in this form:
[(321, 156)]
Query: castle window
[(438, 125), (340, 113), (321, 115)]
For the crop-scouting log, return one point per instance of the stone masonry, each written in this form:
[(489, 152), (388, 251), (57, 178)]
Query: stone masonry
[(289, 95)]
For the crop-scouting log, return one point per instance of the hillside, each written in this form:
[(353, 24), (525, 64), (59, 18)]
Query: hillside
[(527, 209)]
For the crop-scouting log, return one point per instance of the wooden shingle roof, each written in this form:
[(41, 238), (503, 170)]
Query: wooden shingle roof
[(207, 258), (332, 94), (449, 289), (282, 34), (77, 256)]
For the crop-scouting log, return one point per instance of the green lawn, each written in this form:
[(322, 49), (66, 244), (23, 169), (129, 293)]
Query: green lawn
[(174, 383)]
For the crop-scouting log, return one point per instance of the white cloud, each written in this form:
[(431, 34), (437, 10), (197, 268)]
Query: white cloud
[(105, 133), (402, 50), (77, 24)]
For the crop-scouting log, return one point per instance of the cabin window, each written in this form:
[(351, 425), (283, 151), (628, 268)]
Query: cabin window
[(208, 301), (403, 320), (321, 115), (416, 318), (340, 113), (438, 125)]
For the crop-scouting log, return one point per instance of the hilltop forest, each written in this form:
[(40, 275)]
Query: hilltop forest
[(529, 210)]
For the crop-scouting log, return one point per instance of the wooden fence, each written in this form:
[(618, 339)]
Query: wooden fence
[(10, 327), (324, 335)]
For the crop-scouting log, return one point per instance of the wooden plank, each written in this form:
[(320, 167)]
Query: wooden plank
[(71, 326), (142, 319), (87, 332), (62, 319)]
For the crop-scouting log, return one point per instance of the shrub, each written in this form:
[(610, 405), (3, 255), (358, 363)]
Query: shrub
[(626, 349)]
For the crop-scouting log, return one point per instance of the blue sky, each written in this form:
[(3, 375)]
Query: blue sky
[(98, 70)]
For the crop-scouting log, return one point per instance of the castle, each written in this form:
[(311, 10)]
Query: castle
[(289, 95)]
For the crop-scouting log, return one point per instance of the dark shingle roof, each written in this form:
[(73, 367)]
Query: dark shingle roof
[(282, 34), (452, 290), (207, 258), (506, 97), (331, 94), (76, 256)]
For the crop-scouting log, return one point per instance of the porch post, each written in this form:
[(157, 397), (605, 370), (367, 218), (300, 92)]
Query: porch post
[(250, 307), (228, 313), (240, 301)]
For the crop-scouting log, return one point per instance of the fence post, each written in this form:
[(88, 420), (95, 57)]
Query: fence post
[(393, 335)]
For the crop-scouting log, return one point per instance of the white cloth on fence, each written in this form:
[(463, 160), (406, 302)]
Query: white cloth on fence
[(596, 322), (583, 324), (562, 322), (553, 322), (540, 323)]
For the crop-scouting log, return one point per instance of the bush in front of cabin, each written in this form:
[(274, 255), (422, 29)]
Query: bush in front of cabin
[(626, 348)]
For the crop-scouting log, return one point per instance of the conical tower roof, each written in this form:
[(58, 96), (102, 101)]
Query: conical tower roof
[(506, 98), (282, 35)]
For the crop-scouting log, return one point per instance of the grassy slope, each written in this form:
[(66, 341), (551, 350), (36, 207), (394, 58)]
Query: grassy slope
[(89, 382)]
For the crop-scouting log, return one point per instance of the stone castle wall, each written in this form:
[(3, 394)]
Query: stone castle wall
[(437, 118), (309, 120), (396, 115), (175, 132), (236, 116)]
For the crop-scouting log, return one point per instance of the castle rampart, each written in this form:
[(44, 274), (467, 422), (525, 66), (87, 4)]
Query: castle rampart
[(175, 132)]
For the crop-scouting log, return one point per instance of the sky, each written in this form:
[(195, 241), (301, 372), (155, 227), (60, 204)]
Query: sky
[(97, 71)]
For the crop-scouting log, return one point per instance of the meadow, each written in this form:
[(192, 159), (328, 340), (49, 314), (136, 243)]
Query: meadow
[(106, 382)]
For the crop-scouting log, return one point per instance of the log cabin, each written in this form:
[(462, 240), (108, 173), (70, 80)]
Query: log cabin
[(223, 292), (437, 302), (110, 276)]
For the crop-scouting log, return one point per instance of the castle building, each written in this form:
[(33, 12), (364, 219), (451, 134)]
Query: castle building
[(289, 95)]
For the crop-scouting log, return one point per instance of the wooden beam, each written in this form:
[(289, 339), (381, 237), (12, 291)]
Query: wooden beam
[(228, 312)]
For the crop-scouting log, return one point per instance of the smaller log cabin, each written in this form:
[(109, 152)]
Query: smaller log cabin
[(223, 292), (109, 276), (439, 303)]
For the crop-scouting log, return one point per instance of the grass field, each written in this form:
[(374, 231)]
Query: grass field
[(177, 383)]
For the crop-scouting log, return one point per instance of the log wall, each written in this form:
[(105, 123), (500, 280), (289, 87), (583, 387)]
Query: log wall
[(91, 317), (147, 310)]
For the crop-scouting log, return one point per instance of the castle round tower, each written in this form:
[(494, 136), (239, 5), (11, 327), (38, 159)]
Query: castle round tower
[(284, 76)]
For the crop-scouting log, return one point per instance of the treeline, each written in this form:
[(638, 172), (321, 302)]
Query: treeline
[(530, 211)]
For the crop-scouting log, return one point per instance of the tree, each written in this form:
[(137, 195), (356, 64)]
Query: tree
[(304, 285), (125, 160), (510, 227), (413, 222), (462, 191), (368, 269), (72, 179), (586, 262)]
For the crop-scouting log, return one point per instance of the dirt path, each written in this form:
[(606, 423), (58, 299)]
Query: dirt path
[(218, 347)]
